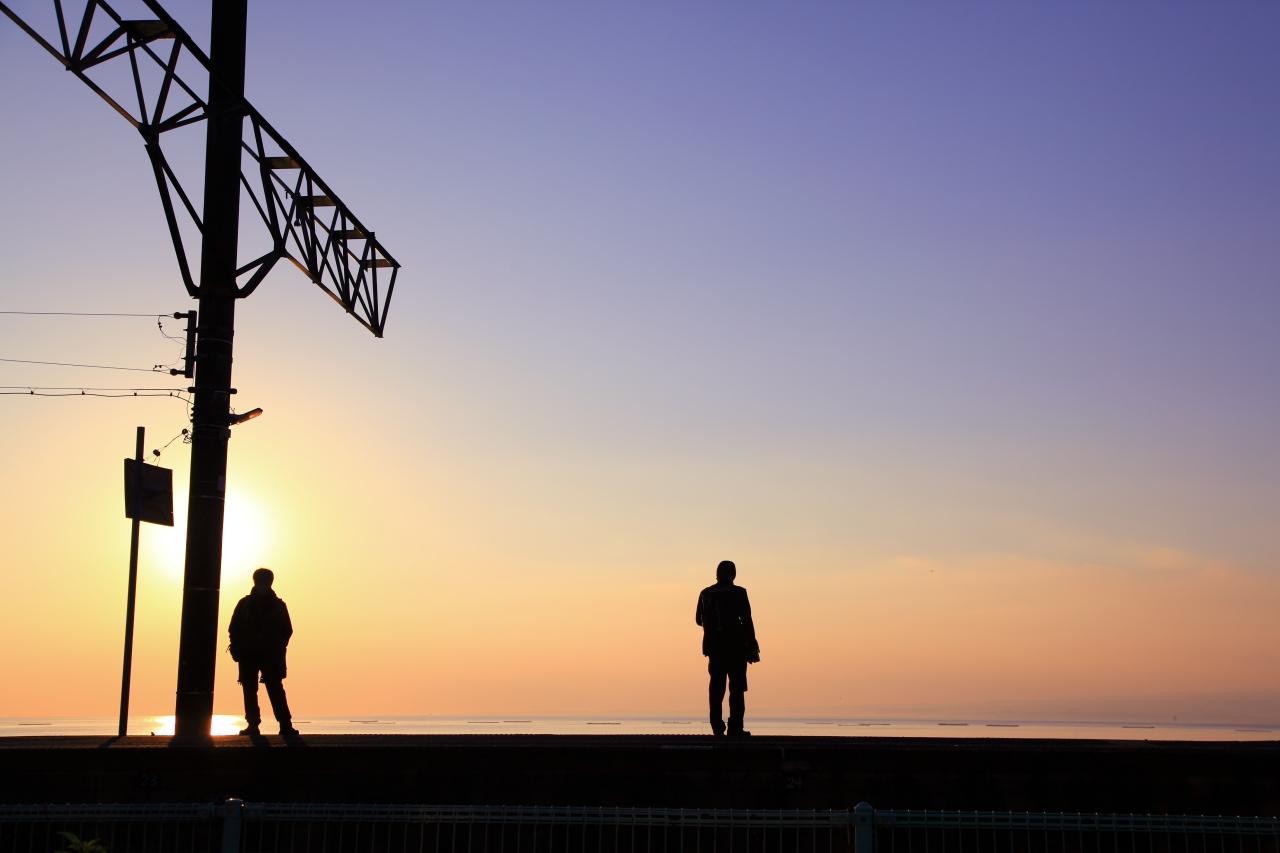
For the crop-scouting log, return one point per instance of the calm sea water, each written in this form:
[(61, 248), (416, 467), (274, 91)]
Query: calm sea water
[(943, 728)]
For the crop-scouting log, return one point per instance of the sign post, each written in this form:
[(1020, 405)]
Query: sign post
[(148, 496)]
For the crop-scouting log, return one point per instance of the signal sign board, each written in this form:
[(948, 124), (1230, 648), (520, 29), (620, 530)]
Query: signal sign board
[(148, 492)]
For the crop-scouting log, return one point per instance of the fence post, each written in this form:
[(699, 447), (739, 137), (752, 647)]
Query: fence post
[(232, 811), (864, 828)]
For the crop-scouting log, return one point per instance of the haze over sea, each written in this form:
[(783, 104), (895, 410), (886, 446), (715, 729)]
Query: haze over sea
[(225, 724)]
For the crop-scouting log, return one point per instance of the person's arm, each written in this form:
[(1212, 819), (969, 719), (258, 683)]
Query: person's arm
[(746, 617), (751, 644), (286, 626), (234, 631)]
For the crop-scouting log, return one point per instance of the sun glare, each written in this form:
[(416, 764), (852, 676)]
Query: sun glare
[(246, 539), (222, 724)]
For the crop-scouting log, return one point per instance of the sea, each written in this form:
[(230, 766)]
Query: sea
[(586, 725)]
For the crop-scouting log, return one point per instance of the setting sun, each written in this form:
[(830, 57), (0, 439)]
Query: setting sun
[(246, 538)]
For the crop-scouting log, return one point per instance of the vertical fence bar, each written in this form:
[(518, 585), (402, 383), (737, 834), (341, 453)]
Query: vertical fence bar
[(864, 828), (232, 814)]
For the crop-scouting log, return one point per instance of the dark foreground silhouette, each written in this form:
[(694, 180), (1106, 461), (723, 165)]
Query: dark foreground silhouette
[(729, 642), (260, 630), (673, 770)]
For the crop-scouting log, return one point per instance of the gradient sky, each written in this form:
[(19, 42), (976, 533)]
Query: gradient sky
[(955, 325)]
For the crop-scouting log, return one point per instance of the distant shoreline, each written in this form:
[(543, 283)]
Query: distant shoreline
[(672, 724)]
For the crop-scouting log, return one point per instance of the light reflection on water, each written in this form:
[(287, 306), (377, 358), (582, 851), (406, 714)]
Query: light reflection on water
[(226, 724), (222, 724)]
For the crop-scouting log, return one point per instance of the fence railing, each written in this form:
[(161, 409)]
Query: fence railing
[(1049, 832), (118, 828), (239, 827)]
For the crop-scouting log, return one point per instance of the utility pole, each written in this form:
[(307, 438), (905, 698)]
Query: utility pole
[(198, 644)]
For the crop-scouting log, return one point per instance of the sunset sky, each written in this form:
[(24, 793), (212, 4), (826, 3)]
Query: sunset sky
[(955, 325)]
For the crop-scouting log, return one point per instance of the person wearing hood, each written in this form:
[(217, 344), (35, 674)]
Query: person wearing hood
[(260, 630)]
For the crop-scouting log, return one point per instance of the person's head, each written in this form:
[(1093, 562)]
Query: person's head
[(263, 577), (726, 571)]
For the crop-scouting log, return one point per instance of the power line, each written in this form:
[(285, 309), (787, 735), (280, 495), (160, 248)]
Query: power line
[(183, 341), (159, 318), (36, 392), (78, 314), (71, 364), (185, 435), (164, 334), (81, 388)]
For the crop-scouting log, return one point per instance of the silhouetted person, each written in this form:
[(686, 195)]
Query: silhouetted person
[(260, 630), (729, 642)]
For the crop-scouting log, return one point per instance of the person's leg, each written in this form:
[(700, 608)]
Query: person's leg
[(737, 672), (715, 695), (279, 704), (249, 685)]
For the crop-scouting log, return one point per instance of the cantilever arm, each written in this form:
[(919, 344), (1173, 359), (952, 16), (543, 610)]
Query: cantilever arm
[(335, 250)]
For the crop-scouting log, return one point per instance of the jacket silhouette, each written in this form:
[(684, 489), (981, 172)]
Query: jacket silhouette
[(260, 630), (729, 642)]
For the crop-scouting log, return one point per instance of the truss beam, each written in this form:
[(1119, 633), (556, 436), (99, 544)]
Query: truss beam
[(334, 249)]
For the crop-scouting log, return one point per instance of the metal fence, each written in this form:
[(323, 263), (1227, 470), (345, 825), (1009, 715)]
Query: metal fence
[(238, 827), (1046, 832), (538, 828), (118, 828)]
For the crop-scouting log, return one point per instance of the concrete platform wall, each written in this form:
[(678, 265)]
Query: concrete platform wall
[(1102, 776)]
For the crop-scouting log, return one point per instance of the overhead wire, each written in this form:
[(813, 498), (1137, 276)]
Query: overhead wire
[(78, 314), (158, 317), (164, 334), (95, 391), (182, 353), (184, 434), (104, 392), (109, 393), (28, 391), (74, 364), (84, 388)]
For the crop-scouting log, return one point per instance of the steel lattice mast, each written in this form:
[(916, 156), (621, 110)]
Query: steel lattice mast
[(304, 219)]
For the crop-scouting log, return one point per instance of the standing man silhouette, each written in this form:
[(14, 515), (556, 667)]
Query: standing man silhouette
[(729, 642), (260, 630)]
